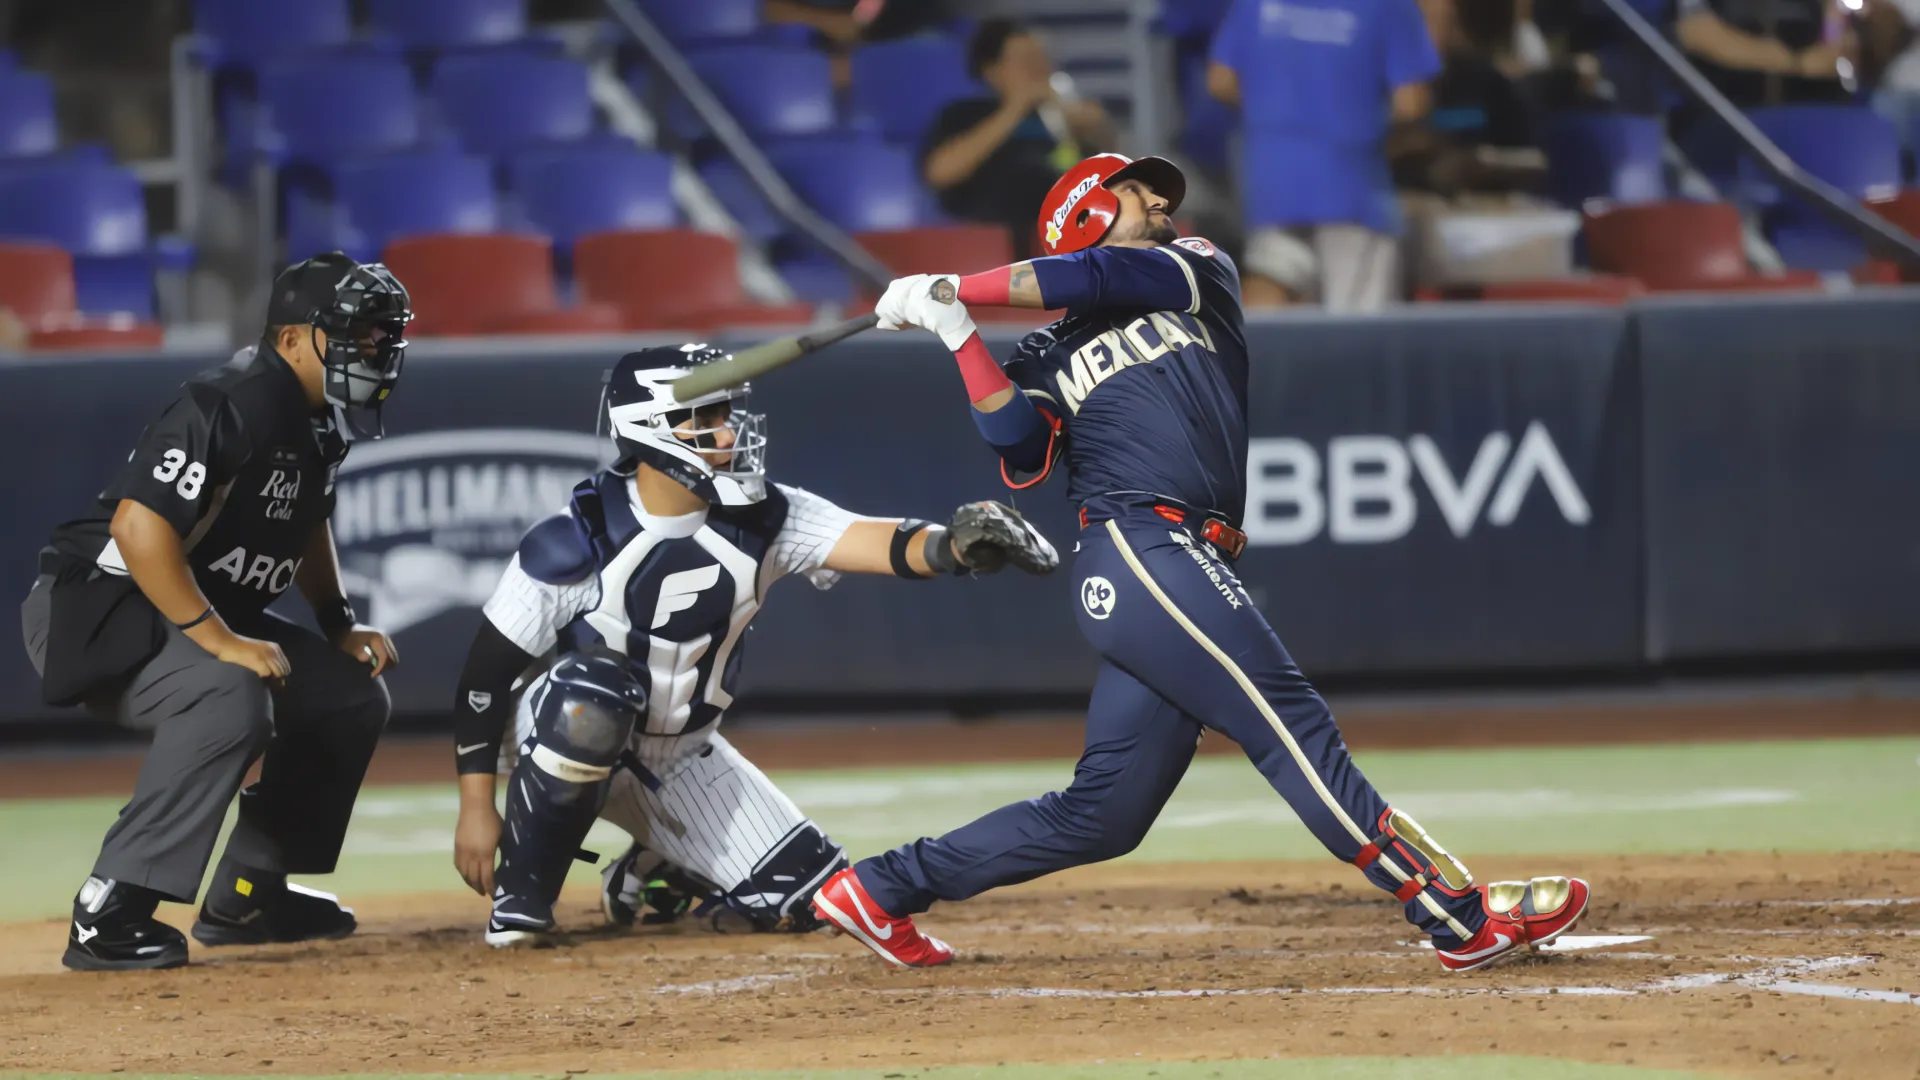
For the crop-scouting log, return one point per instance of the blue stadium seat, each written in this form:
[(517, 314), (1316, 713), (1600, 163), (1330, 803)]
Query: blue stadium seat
[(97, 212), (772, 90), (317, 107), (379, 199), (1852, 148), (815, 276), (243, 30), (899, 86), (26, 115), (569, 191), (687, 21), (447, 24), (860, 185), (497, 102), (730, 185), (1605, 156)]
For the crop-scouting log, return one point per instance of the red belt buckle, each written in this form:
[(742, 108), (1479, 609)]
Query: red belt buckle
[(1083, 517), (1224, 536)]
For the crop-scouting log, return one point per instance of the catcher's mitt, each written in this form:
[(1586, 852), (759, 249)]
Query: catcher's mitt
[(989, 535)]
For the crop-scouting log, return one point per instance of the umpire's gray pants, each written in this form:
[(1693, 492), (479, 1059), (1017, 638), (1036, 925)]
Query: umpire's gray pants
[(210, 721)]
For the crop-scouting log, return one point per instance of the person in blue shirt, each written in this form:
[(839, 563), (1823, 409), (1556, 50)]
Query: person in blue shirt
[(1142, 390), (1319, 86)]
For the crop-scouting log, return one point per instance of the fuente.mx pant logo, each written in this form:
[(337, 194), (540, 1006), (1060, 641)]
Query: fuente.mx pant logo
[(1206, 566)]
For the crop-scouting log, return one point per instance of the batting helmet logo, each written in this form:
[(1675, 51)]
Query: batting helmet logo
[(1080, 208)]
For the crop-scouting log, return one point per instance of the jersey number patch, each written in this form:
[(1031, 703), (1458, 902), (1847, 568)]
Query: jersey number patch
[(191, 478)]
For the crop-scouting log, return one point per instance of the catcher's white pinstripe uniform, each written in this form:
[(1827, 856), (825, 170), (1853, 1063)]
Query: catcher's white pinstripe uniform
[(713, 812)]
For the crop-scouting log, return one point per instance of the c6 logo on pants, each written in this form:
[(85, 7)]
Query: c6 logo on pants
[(1096, 595)]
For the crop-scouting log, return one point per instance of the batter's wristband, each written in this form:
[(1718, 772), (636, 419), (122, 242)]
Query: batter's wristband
[(897, 551), (196, 620)]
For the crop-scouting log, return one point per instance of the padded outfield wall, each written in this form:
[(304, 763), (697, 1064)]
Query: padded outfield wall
[(1472, 493)]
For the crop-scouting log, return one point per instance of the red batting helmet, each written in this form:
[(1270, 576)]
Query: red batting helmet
[(1080, 209)]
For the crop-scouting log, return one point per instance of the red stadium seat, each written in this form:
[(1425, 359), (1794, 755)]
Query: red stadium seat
[(585, 319), (1592, 289), (672, 279), (476, 284), (1903, 210), (947, 249), (36, 282), (96, 337), (1680, 246)]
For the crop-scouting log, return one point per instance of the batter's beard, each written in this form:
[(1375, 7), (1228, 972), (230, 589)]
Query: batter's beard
[(1163, 232)]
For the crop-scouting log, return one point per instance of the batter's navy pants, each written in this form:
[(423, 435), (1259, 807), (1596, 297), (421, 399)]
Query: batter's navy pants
[(1184, 649)]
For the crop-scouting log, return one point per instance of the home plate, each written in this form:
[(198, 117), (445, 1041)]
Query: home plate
[(1577, 942)]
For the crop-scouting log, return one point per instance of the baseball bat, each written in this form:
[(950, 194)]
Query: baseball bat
[(757, 360)]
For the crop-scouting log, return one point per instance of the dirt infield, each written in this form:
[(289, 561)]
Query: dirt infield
[(1757, 965)]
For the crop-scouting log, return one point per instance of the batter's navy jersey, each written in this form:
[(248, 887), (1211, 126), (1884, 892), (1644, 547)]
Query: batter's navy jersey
[(1147, 372), (672, 594)]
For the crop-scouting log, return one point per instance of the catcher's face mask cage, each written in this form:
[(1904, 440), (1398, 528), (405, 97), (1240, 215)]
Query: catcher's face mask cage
[(365, 347), (683, 439)]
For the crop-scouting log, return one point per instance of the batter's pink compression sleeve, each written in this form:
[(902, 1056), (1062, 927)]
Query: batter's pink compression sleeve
[(979, 370), (991, 288)]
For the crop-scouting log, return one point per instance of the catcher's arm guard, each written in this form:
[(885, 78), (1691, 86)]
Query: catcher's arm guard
[(987, 536)]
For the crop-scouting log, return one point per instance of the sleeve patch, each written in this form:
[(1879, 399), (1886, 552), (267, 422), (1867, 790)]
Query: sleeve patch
[(1195, 245), (555, 551)]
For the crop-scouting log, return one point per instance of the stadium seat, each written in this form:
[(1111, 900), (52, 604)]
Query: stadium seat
[(1586, 289), (758, 220), (952, 249), (771, 90), (688, 21), (380, 199), (1853, 148), (568, 191), (447, 24), (26, 115), (486, 284), (1668, 245), (96, 212), (242, 30), (97, 337), (1903, 209), (320, 107), (671, 279), (1604, 156), (899, 86), (36, 282), (501, 101), (860, 185), (815, 276)]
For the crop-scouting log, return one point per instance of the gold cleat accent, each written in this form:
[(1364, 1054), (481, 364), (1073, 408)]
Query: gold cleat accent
[(1453, 872), (1549, 894), (1506, 896)]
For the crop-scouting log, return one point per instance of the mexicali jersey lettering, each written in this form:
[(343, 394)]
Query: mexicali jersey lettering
[(1150, 379)]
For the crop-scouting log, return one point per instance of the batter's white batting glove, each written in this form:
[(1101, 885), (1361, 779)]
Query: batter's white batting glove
[(892, 306), (937, 306)]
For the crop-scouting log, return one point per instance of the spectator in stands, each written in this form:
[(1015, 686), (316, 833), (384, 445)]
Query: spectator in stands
[(993, 159), (1890, 60), (1318, 86), (1767, 52), (1479, 137), (840, 25)]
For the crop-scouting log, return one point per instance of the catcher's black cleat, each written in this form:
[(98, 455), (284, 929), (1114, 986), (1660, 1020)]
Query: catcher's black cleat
[(519, 922), (114, 930), (278, 912)]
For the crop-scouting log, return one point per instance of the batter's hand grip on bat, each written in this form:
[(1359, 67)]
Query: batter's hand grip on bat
[(757, 360)]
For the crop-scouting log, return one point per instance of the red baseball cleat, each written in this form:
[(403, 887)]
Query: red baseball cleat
[(1529, 913), (843, 902)]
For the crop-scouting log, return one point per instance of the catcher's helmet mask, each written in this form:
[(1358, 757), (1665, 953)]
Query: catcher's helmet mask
[(638, 409), (363, 310)]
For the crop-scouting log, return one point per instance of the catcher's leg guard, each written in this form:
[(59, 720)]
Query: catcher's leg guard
[(583, 720), (1437, 888)]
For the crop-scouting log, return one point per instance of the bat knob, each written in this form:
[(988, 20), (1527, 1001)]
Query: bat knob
[(943, 291)]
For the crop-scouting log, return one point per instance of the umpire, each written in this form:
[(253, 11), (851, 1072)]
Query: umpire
[(152, 610)]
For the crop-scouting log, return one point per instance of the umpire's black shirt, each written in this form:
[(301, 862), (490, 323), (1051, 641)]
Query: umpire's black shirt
[(241, 466)]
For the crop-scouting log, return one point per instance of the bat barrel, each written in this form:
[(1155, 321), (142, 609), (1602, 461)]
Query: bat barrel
[(755, 361)]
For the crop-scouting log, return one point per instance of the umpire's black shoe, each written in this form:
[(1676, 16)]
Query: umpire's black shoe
[(279, 913), (114, 930)]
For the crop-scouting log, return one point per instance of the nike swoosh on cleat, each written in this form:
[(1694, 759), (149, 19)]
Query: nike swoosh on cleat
[(861, 909), (470, 749), (1501, 941)]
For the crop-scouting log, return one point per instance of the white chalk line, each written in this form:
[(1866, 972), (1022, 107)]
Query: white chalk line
[(1777, 976)]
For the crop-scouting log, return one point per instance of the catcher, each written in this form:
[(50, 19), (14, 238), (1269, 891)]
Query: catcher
[(624, 618)]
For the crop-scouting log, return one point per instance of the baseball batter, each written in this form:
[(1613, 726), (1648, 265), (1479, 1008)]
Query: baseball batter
[(627, 612), (1142, 388)]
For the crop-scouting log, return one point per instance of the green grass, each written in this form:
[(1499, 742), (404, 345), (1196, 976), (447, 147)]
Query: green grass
[(1358, 1068), (1857, 794)]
